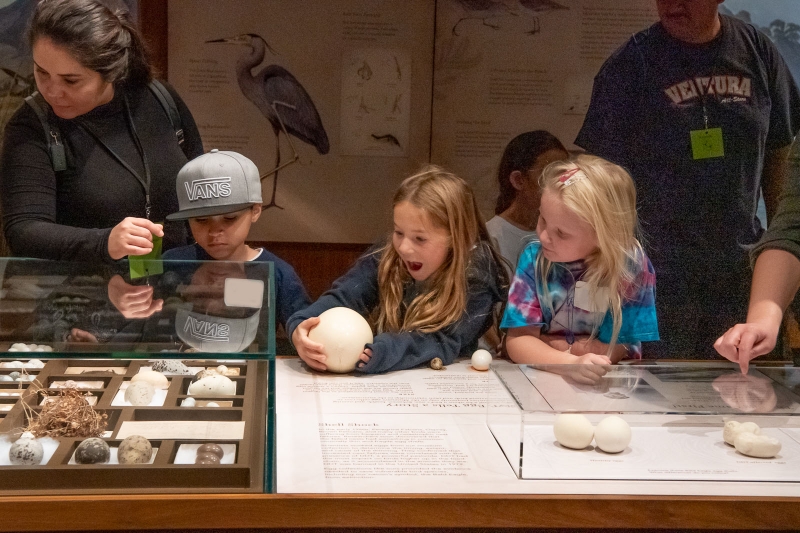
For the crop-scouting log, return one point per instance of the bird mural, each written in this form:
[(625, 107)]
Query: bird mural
[(540, 6), (15, 53), (280, 98), (482, 10)]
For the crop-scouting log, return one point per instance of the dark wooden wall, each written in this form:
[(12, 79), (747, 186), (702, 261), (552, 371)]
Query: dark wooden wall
[(317, 264)]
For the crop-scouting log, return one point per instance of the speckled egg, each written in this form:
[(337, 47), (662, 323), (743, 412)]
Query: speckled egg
[(207, 457), (215, 385), (92, 451), (212, 448), (204, 374), (26, 451), (134, 450), (169, 366), (139, 393)]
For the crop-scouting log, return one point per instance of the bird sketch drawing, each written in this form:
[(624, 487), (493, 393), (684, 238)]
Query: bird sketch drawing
[(540, 6), (482, 10), (280, 98), (491, 12)]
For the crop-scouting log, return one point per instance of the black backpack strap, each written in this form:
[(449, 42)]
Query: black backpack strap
[(52, 134), (168, 103)]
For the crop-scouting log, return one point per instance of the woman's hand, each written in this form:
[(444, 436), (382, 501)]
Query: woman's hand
[(133, 301), (313, 353), (744, 342), (133, 236)]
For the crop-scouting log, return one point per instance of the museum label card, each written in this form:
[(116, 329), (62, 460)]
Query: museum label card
[(181, 429)]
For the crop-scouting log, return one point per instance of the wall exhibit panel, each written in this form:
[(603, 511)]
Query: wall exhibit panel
[(344, 54)]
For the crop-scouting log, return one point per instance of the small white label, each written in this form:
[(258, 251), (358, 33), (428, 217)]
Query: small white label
[(582, 300), (244, 292)]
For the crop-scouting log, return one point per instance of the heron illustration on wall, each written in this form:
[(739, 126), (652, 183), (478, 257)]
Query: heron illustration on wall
[(280, 98)]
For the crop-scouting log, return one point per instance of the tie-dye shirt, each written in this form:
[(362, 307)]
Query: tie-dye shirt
[(573, 314)]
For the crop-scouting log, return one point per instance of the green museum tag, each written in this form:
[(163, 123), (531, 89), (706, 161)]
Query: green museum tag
[(707, 143), (148, 264)]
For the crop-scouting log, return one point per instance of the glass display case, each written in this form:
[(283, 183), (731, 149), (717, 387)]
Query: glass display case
[(673, 422), (146, 378)]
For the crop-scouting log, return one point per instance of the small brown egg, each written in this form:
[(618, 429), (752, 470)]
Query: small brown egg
[(207, 457), (211, 448), (436, 363)]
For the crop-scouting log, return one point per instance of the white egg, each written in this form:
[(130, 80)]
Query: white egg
[(573, 430), (212, 404), (344, 333), (612, 434), (156, 379), (481, 360), (733, 429), (214, 385), (188, 402), (139, 393), (757, 445)]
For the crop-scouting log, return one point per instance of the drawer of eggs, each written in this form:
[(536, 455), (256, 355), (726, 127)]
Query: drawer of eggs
[(82, 425)]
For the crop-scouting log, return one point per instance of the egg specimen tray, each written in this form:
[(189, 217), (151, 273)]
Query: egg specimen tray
[(237, 425)]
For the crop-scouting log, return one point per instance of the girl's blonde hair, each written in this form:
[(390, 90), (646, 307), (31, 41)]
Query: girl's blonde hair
[(450, 205), (603, 195)]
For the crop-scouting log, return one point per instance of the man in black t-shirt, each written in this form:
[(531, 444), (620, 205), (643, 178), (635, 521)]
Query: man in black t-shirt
[(701, 109)]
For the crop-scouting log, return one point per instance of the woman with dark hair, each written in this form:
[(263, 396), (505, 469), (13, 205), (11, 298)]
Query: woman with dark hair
[(517, 210), (88, 167)]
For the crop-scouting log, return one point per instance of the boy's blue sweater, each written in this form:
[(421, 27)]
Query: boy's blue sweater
[(290, 294)]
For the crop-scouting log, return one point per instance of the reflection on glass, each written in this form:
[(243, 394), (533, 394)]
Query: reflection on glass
[(672, 388), (195, 306)]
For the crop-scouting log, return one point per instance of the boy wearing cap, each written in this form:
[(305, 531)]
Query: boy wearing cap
[(220, 194)]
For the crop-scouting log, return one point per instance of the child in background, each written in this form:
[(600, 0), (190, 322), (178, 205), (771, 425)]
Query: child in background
[(432, 288), (220, 194), (586, 292), (517, 210)]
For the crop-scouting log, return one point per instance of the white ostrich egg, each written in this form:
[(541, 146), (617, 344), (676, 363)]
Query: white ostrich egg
[(612, 434), (344, 333), (573, 431)]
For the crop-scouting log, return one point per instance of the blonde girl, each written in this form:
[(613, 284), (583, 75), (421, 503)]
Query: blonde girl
[(430, 288), (586, 292)]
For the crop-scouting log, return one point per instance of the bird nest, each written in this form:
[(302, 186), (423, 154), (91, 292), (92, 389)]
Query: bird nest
[(66, 414)]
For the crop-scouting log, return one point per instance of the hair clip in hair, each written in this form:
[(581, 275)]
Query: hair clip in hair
[(571, 176)]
